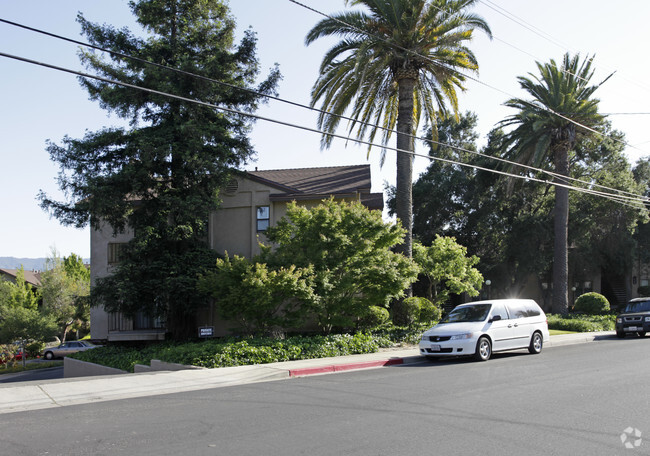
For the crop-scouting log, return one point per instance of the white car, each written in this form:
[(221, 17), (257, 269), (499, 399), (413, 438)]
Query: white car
[(68, 348), (483, 327)]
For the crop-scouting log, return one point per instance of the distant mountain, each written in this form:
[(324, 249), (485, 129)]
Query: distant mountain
[(30, 264)]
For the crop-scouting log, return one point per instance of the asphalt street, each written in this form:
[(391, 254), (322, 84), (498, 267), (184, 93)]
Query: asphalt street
[(588, 399)]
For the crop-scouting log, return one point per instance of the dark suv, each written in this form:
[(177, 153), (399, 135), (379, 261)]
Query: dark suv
[(635, 318)]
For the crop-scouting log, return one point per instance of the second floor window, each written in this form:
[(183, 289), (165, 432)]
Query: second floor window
[(263, 218), (115, 252)]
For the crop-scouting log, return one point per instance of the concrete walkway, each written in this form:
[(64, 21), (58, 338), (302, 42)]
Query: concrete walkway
[(15, 397)]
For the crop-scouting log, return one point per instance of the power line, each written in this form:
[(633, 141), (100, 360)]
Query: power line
[(271, 97), (616, 198)]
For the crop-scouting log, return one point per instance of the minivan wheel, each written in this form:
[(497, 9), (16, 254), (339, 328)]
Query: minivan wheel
[(49, 355), (620, 334), (536, 343), (483, 349)]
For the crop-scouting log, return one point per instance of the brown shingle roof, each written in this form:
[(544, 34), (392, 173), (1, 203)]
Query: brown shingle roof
[(31, 277), (318, 181)]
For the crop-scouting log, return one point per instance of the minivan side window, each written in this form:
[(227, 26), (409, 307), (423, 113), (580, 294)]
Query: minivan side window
[(517, 311), (499, 309), (533, 310)]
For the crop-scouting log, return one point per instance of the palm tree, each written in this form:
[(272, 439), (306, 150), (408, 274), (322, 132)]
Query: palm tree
[(547, 128), (399, 60)]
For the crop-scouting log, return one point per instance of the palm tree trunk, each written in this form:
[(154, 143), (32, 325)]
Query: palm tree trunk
[(561, 231), (404, 184)]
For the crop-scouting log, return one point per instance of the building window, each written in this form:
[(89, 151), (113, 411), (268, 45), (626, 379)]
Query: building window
[(263, 218), (115, 250)]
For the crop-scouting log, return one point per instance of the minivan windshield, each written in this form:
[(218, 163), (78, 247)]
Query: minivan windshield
[(477, 312), (639, 306)]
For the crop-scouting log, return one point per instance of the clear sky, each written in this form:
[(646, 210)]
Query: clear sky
[(39, 104)]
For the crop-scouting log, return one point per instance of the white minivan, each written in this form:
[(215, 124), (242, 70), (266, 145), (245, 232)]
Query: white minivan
[(483, 327)]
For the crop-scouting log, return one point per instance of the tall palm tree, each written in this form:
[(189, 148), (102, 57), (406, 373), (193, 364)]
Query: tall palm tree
[(395, 62), (547, 128)]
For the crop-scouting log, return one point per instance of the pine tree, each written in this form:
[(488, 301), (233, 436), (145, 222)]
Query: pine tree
[(160, 178)]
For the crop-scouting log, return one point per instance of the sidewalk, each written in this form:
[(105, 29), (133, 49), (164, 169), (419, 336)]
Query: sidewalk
[(15, 397)]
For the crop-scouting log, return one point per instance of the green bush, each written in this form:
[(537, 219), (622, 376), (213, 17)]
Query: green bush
[(406, 312), (34, 349), (581, 323), (225, 353), (429, 312), (592, 304), (375, 317)]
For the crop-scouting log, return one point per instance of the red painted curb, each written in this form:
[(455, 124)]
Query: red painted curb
[(301, 372)]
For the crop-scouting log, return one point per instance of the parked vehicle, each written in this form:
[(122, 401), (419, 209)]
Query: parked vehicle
[(634, 319), (480, 328), (68, 348)]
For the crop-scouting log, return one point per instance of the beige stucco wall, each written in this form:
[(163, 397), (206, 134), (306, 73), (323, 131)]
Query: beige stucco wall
[(233, 229), (99, 240)]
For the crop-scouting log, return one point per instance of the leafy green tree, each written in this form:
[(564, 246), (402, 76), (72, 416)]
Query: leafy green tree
[(65, 288), (547, 128), (349, 249), (447, 268), (161, 176), (18, 294), (24, 323), (260, 299), (400, 60)]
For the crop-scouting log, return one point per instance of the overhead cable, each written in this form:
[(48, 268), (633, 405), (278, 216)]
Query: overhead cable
[(617, 198), (271, 97)]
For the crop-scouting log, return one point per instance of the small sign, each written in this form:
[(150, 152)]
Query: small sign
[(206, 331)]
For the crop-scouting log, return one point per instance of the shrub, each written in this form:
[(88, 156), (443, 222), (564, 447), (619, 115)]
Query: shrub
[(34, 349), (406, 312), (429, 312), (581, 323), (376, 316), (592, 304)]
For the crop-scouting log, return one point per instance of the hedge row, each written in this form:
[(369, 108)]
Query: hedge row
[(219, 353), (581, 323)]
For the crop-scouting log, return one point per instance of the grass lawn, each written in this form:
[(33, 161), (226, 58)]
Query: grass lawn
[(556, 332)]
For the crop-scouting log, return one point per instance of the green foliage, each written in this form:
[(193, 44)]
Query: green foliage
[(375, 317), (18, 294), (429, 312), (24, 323), (34, 349), (258, 298), (447, 268), (160, 178), (406, 312), (592, 304), (349, 249), (216, 353), (65, 288), (581, 323)]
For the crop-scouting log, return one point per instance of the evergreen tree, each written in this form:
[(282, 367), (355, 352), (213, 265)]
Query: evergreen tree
[(160, 177)]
